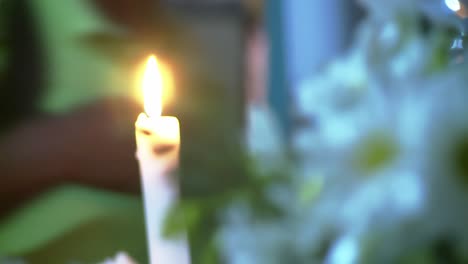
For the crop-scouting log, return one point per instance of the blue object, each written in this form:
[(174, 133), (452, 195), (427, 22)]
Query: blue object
[(278, 95)]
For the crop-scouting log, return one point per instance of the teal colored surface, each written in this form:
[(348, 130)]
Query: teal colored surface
[(277, 86)]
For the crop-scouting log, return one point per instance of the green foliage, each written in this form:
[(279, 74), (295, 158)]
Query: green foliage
[(310, 191), (441, 57), (3, 48), (75, 221), (201, 215)]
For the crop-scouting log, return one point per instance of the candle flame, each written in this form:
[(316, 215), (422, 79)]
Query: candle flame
[(152, 87)]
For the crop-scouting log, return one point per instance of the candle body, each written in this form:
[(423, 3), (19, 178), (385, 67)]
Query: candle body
[(158, 144)]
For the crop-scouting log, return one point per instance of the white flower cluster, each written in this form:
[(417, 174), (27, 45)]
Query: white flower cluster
[(383, 171), (120, 258)]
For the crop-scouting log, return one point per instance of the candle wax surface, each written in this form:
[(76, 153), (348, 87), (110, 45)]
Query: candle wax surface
[(160, 190), (153, 134), (165, 128)]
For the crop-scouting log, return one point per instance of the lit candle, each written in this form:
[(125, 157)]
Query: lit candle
[(158, 143)]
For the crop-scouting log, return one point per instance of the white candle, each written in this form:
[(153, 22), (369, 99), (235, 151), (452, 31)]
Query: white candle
[(158, 143)]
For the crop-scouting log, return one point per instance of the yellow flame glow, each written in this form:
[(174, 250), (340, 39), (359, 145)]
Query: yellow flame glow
[(152, 87)]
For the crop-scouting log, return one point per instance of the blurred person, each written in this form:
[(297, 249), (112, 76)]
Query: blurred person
[(71, 95)]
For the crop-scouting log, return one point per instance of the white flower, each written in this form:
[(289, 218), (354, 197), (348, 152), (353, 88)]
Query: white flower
[(263, 137), (376, 180), (387, 152), (246, 240), (331, 101), (341, 82), (120, 258), (345, 251)]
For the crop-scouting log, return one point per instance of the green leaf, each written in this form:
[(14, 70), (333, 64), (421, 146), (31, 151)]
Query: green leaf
[(420, 256), (181, 217), (310, 191), (68, 218), (440, 57)]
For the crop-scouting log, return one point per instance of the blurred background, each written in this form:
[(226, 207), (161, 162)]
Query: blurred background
[(70, 188)]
